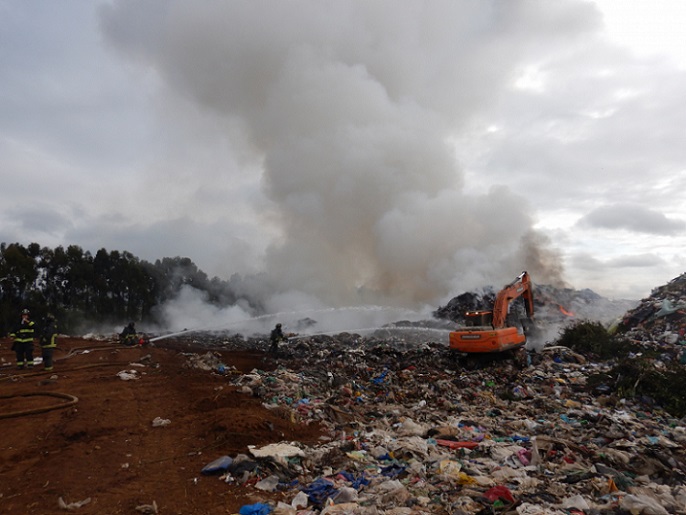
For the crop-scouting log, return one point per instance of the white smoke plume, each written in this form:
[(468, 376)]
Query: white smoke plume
[(348, 113)]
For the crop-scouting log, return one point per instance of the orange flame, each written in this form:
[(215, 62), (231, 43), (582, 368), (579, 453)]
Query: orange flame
[(565, 312)]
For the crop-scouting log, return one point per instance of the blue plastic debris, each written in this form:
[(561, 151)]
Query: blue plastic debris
[(319, 491), (255, 509), (356, 483), (393, 470), (380, 379), (517, 438)]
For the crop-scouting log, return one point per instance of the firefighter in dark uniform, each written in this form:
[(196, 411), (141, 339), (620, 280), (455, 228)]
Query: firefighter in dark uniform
[(23, 340), (129, 336), (48, 341), (275, 337)]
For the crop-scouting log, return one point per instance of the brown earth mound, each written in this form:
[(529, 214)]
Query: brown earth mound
[(83, 432)]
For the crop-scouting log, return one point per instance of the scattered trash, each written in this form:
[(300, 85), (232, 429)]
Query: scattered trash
[(209, 361), (72, 505), (128, 375), (277, 450), (149, 509), (268, 484), (217, 466), (160, 422)]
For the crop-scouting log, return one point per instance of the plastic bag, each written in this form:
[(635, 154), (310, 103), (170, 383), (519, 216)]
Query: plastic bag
[(218, 465), (642, 504)]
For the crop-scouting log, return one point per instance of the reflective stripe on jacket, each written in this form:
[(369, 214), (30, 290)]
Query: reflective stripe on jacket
[(49, 334), (25, 333), (49, 341)]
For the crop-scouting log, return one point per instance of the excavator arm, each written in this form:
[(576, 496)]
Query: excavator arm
[(520, 287)]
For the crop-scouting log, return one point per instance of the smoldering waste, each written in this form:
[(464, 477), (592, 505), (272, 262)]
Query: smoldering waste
[(410, 431)]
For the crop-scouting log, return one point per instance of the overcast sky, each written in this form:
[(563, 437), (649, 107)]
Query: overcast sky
[(351, 152)]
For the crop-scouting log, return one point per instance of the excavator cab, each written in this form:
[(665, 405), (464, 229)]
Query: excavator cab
[(478, 318)]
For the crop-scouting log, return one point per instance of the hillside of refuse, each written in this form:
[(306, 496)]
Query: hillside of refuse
[(412, 431)]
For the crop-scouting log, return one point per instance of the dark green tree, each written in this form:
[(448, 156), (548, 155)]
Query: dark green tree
[(108, 288)]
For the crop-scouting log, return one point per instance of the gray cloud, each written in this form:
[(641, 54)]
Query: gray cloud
[(594, 122), (637, 261), (43, 222), (632, 217), (589, 262), (60, 92)]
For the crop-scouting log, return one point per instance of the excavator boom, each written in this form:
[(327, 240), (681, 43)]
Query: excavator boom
[(520, 287), (498, 336)]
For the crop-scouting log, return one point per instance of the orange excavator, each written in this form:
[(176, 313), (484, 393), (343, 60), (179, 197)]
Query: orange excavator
[(491, 331)]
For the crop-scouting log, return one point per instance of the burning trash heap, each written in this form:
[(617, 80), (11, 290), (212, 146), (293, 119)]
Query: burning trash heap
[(589, 427)]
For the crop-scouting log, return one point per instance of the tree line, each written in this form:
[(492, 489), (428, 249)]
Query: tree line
[(110, 287)]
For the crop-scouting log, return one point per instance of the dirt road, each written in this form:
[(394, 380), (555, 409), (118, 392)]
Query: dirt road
[(83, 432)]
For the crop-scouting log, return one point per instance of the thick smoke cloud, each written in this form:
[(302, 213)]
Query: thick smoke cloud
[(349, 112)]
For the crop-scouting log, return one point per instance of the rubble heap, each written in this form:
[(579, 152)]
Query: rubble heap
[(661, 317), (408, 436), (409, 431)]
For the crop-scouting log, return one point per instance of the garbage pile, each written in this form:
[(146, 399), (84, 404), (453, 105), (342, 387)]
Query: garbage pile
[(410, 432), (660, 319)]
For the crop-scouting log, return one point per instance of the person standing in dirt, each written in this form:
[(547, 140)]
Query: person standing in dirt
[(23, 340), (275, 337), (48, 341)]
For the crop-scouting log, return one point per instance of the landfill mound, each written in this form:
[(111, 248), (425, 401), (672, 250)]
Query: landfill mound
[(410, 431), (662, 315)]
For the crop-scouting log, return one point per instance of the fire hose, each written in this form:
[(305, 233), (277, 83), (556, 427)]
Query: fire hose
[(70, 398)]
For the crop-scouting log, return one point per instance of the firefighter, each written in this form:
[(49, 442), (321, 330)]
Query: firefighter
[(129, 336), (47, 341), (23, 340), (275, 337)]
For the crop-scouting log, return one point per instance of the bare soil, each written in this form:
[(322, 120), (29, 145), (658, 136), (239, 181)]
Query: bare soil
[(103, 446)]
